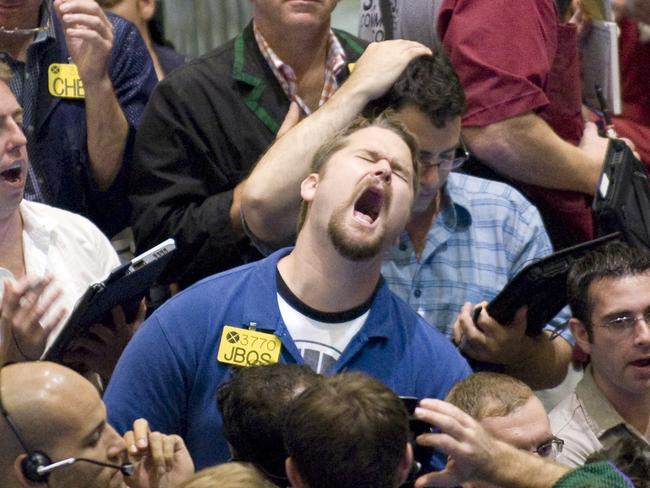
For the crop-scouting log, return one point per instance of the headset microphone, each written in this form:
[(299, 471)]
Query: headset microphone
[(126, 469), (36, 466)]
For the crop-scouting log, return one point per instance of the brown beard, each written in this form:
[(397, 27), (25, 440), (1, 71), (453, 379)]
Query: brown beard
[(355, 251)]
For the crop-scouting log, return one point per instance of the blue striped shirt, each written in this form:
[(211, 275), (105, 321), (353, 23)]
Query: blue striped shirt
[(485, 233)]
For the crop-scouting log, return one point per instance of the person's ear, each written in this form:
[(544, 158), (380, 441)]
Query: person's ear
[(308, 187), (147, 9), (580, 334), (406, 464), (20, 476), (292, 473)]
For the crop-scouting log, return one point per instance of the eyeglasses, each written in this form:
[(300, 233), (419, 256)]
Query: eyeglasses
[(24, 32), (551, 448), (626, 322), (461, 154)]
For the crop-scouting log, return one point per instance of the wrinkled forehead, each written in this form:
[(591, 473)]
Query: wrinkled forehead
[(381, 140)]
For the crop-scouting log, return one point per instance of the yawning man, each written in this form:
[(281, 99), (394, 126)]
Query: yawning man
[(322, 302)]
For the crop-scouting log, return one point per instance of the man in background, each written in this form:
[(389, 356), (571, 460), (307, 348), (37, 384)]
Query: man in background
[(349, 431), (83, 78), (518, 64), (609, 295), (40, 425), (509, 411), (254, 405), (208, 123)]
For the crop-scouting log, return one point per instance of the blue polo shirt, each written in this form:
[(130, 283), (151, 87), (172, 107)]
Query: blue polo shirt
[(169, 372)]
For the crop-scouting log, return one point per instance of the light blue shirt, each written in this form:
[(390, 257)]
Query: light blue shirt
[(485, 233)]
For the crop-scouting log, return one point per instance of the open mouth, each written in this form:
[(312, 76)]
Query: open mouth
[(13, 174), (368, 205), (641, 363)]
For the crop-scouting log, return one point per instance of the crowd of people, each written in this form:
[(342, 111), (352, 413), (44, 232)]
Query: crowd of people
[(343, 210)]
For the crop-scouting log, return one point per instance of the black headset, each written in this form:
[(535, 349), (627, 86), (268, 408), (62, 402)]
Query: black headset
[(37, 466)]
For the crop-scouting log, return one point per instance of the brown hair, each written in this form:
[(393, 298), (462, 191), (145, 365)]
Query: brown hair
[(484, 395), (253, 406), (386, 120), (350, 431), (430, 84), (228, 475), (613, 260)]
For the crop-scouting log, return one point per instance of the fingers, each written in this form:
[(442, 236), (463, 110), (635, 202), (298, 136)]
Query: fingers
[(457, 332), (53, 321), (440, 478), (84, 15), (473, 337), (90, 22), (162, 450), (24, 304), (137, 440), (158, 449), (104, 334), (381, 65), (443, 415), (141, 432), (20, 295), (142, 313), (73, 7)]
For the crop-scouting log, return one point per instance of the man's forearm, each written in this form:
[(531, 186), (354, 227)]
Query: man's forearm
[(271, 193), (525, 148), (545, 364), (107, 130)]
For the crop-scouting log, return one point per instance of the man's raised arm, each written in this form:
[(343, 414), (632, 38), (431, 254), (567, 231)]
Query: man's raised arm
[(89, 37), (271, 197)]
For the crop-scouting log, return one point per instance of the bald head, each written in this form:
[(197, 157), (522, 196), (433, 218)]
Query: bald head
[(45, 402)]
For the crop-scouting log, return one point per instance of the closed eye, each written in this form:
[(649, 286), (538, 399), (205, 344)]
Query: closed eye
[(400, 174)]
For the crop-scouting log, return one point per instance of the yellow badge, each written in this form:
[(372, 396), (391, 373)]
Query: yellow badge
[(244, 347), (63, 81), (351, 67)]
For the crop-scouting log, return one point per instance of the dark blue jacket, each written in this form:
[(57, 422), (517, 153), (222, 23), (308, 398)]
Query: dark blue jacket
[(207, 124), (60, 129)]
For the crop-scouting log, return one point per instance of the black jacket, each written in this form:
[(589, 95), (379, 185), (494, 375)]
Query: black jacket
[(204, 128)]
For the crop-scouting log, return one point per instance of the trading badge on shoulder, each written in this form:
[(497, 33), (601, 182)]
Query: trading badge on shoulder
[(248, 347), (63, 81)]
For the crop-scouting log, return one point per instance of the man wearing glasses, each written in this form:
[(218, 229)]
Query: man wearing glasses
[(509, 411), (609, 293), (82, 78), (466, 238)]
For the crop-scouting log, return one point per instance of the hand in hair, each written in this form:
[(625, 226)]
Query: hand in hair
[(381, 65)]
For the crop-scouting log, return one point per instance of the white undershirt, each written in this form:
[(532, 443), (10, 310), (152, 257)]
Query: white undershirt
[(320, 343)]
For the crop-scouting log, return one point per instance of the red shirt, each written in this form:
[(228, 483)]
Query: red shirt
[(514, 57)]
